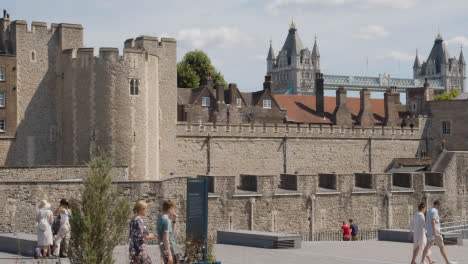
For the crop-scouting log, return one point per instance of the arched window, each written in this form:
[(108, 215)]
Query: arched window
[(2, 74)]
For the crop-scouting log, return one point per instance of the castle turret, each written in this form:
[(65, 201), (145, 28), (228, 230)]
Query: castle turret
[(270, 59), (461, 59), (416, 66), (316, 55)]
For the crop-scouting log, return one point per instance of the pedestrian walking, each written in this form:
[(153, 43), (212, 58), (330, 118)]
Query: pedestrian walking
[(354, 230), (64, 232), (166, 225), (138, 234), (433, 233), (346, 230), (44, 218), (418, 233)]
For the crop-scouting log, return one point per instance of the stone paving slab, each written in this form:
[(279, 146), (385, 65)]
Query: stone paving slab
[(360, 252)]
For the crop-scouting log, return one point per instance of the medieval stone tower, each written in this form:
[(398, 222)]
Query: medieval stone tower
[(440, 65), (71, 102), (293, 70)]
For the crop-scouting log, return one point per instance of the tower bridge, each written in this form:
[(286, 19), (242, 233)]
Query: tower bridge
[(376, 84)]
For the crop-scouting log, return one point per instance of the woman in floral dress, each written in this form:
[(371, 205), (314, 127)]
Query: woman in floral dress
[(138, 234)]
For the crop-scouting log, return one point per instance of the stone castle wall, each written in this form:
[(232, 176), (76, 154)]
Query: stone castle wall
[(309, 208), (37, 51), (54, 173), (250, 149), (164, 110), (99, 110)]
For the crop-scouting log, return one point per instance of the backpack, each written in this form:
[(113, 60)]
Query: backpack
[(43, 224)]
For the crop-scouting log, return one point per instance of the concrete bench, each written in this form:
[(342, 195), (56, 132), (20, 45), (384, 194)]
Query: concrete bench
[(453, 238), (401, 235), (18, 243), (259, 239), (395, 235)]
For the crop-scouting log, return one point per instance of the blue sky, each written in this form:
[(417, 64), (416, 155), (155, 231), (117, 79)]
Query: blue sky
[(236, 34)]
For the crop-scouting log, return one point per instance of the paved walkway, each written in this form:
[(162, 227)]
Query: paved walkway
[(361, 252)]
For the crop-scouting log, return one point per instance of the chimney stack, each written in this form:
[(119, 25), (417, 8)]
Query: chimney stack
[(220, 92), (209, 80), (366, 117), (392, 100), (268, 84), (319, 96), (342, 115)]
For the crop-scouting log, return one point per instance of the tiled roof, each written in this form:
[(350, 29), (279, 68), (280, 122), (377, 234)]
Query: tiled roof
[(301, 108)]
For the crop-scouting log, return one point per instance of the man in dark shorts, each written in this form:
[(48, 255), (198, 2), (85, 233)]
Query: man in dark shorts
[(354, 230)]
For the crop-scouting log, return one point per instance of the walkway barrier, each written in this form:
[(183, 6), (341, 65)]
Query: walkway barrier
[(337, 235)]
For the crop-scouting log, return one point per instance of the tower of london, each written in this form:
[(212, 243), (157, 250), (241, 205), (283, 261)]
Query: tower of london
[(63, 101)]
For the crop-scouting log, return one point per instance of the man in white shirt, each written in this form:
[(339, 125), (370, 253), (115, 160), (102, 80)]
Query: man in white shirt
[(433, 232), (418, 233)]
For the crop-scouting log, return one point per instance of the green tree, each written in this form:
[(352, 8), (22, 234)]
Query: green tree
[(447, 96), (99, 218), (191, 71)]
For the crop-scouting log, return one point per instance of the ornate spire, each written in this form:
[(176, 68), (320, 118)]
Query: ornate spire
[(439, 37), (315, 50), (417, 64), (271, 54), (461, 59), (293, 25)]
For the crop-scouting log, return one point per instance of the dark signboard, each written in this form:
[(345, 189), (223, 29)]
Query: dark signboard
[(197, 210)]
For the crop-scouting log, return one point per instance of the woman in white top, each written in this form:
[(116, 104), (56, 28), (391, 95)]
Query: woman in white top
[(64, 230), (44, 218), (418, 233)]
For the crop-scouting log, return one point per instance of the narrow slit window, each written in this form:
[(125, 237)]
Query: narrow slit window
[(132, 87), (137, 87), (239, 102)]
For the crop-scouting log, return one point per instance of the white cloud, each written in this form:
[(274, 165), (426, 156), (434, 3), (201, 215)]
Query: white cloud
[(457, 41), (215, 37), (274, 7), (398, 56), (371, 32)]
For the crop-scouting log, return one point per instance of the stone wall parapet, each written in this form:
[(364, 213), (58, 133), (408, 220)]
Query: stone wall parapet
[(185, 129)]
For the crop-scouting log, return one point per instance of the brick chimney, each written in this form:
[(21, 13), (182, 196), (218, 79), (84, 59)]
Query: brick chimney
[(366, 117), (268, 84), (319, 96), (231, 88), (342, 115), (392, 100), (209, 80), (220, 92)]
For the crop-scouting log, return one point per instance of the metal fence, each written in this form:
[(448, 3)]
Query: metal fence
[(337, 235), (454, 226)]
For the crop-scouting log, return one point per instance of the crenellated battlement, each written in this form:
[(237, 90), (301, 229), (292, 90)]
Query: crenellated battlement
[(148, 42), (185, 129), (40, 27), (105, 54)]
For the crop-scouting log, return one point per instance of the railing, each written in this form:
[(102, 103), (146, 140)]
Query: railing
[(454, 226), (337, 235)]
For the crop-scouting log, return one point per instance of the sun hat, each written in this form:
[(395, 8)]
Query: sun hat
[(44, 204)]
